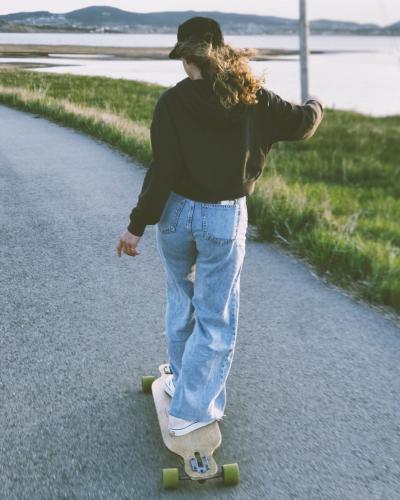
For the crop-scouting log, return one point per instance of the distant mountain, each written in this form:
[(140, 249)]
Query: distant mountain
[(392, 29), (112, 20)]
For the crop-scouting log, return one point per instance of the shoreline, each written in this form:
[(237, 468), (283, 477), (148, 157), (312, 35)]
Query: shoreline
[(115, 53), (47, 30)]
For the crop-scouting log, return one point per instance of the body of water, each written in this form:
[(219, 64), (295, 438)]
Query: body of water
[(316, 42), (356, 73)]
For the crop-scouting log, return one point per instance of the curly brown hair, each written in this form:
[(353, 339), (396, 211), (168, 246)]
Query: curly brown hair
[(226, 67)]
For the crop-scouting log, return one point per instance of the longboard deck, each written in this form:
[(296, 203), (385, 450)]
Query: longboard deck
[(195, 448)]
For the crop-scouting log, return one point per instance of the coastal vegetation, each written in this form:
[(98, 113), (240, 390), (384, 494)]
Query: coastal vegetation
[(333, 200)]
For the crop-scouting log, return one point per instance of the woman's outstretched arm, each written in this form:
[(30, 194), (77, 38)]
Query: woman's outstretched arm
[(292, 122)]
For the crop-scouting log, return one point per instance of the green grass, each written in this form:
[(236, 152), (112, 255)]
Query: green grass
[(333, 199), (133, 99)]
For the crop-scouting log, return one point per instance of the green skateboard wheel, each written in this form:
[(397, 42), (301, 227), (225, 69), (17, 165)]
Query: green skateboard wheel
[(230, 474), (170, 478), (147, 380)]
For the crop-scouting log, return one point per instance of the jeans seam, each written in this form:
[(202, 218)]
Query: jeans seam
[(232, 319), (190, 217)]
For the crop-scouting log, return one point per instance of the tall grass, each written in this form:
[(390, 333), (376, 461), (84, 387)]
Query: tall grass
[(333, 199)]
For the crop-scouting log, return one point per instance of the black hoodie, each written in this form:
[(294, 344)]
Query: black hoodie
[(208, 153)]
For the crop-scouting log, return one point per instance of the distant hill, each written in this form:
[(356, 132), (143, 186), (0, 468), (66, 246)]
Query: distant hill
[(112, 20), (393, 29)]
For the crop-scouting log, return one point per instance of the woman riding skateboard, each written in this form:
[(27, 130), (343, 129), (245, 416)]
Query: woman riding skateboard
[(210, 136)]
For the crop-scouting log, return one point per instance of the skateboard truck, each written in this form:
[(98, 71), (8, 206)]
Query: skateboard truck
[(199, 463)]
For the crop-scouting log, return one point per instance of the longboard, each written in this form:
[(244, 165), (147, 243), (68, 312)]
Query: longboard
[(195, 449)]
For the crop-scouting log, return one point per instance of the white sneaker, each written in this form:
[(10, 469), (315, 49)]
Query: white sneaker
[(179, 426), (168, 385)]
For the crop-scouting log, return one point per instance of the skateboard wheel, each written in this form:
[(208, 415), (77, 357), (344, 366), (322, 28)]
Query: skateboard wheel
[(170, 478), (230, 474), (147, 380)]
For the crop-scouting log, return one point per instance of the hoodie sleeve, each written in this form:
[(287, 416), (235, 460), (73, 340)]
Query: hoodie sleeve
[(162, 173), (292, 122)]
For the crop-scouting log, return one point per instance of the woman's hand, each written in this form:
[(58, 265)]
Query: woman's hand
[(127, 244)]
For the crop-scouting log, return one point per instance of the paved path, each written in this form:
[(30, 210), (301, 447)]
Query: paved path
[(313, 396)]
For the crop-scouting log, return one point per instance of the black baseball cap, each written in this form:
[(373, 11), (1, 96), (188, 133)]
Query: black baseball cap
[(200, 28)]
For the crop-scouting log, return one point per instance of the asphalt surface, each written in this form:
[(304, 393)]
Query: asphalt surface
[(313, 394)]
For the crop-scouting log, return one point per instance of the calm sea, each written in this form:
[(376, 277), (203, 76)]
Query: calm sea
[(355, 73)]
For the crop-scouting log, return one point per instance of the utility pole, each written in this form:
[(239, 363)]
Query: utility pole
[(303, 31)]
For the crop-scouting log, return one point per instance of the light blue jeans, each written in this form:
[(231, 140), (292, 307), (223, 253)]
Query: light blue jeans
[(202, 247)]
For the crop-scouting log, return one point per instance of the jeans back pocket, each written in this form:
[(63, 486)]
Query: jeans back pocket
[(220, 222), (171, 213)]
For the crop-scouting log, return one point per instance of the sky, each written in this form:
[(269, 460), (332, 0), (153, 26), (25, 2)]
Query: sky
[(381, 12)]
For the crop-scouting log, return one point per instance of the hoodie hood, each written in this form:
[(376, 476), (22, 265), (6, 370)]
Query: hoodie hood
[(199, 99)]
